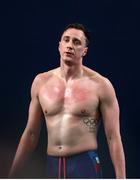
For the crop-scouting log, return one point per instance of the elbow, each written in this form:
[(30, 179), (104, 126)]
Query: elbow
[(31, 137), (113, 136)]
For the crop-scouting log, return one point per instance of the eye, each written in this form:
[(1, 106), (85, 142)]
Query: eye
[(77, 42), (66, 39)]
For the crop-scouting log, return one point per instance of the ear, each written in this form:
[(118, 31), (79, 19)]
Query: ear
[(85, 51)]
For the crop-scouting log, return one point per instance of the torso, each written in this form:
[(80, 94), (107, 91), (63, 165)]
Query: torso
[(71, 111)]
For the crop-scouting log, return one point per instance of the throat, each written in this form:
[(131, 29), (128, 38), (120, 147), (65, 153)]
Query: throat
[(72, 72)]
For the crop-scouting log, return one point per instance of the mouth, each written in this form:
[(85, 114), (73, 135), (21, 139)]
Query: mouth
[(69, 53)]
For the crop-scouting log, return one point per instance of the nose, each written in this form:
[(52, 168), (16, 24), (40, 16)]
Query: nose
[(70, 45)]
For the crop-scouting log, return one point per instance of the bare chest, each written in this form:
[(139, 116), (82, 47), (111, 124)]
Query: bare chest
[(57, 97)]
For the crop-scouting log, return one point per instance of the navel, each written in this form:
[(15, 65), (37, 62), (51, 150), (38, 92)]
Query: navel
[(60, 147)]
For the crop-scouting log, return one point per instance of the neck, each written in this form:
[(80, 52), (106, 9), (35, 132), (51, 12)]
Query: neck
[(71, 72)]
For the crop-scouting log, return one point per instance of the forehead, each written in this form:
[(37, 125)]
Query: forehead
[(74, 33)]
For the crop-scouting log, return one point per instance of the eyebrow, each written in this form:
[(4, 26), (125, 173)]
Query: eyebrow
[(65, 37), (69, 37)]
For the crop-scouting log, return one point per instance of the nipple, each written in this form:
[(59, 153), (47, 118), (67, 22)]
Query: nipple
[(46, 111)]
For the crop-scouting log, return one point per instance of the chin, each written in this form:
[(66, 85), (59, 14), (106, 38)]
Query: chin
[(68, 62)]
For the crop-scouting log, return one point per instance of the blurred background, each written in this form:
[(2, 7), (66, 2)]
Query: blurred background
[(29, 35)]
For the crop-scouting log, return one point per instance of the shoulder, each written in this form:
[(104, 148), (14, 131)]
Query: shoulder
[(40, 79), (95, 76), (105, 87), (43, 77)]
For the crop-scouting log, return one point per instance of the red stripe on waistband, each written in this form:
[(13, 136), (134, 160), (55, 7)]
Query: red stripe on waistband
[(60, 167), (64, 164)]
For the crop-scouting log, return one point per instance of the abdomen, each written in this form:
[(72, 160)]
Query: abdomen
[(69, 134)]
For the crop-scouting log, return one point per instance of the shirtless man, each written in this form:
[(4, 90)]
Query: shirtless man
[(73, 98)]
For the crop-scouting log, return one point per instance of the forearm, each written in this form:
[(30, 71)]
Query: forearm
[(118, 158), (26, 146)]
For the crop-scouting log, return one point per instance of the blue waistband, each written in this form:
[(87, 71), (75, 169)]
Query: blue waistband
[(92, 153)]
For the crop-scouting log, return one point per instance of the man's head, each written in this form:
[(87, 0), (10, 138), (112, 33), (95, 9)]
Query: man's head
[(73, 43), (79, 27)]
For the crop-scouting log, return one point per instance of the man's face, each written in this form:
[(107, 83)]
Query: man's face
[(72, 46)]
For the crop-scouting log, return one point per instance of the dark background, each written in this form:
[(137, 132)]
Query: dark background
[(29, 36)]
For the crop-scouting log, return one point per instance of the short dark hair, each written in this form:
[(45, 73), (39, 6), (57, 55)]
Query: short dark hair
[(80, 27)]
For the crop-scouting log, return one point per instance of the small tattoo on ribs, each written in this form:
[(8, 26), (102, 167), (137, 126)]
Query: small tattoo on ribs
[(91, 123)]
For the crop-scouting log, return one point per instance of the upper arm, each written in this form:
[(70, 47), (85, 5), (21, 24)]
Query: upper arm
[(35, 110), (109, 109)]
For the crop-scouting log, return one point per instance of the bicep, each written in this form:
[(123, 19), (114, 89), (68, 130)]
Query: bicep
[(34, 116), (35, 111), (110, 111)]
